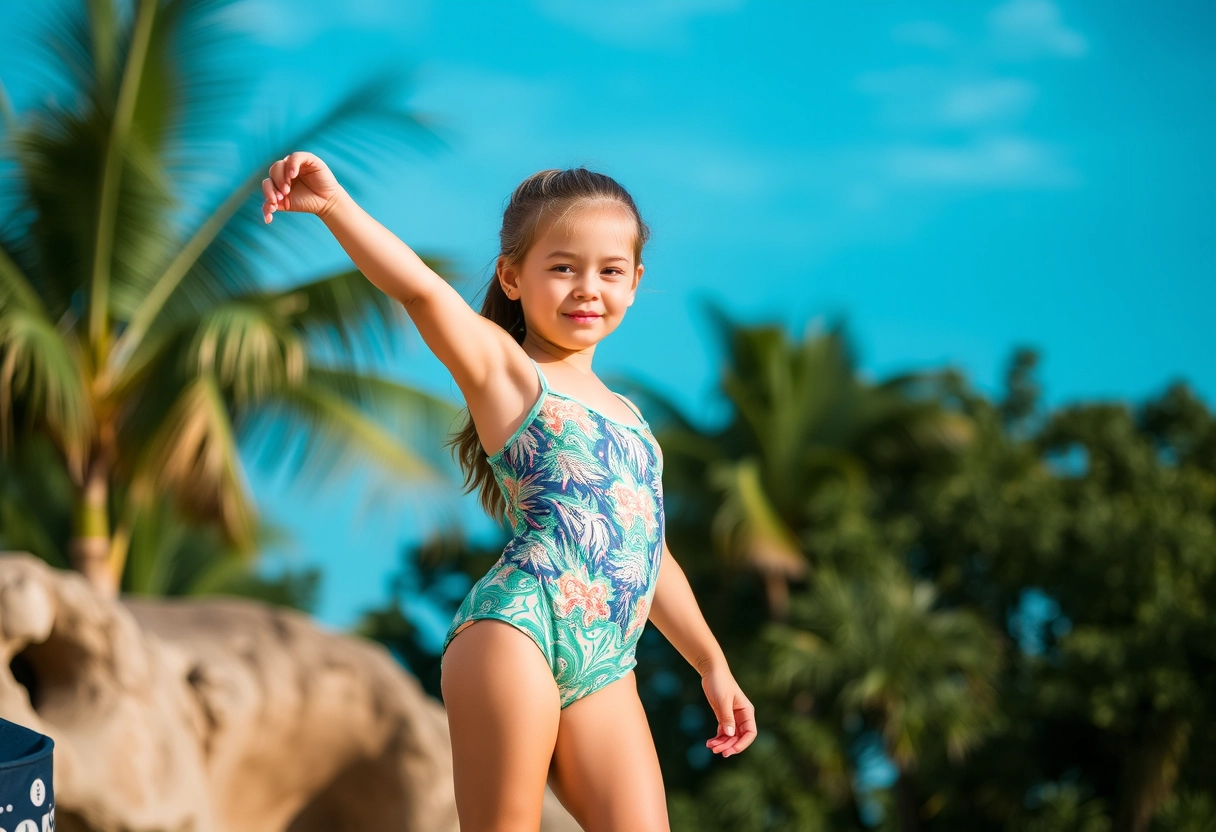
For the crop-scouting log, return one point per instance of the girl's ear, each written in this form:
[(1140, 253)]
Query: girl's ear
[(637, 278), (508, 277)]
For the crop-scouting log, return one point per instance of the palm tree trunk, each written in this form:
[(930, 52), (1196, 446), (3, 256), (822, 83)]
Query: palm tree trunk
[(89, 547)]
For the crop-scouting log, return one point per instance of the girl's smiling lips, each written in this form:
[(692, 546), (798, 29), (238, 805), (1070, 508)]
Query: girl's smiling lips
[(582, 317)]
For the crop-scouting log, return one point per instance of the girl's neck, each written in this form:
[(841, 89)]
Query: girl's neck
[(544, 352)]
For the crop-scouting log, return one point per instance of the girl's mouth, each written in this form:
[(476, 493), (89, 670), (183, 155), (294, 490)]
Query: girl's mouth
[(582, 319)]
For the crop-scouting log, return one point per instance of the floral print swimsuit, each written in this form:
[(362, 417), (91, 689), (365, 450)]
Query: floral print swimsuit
[(584, 497)]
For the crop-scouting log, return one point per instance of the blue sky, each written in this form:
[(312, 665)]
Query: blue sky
[(952, 179)]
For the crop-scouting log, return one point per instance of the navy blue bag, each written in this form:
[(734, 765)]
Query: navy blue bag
[(27, 800)]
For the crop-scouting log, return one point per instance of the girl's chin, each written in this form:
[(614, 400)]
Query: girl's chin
[(574, 340)]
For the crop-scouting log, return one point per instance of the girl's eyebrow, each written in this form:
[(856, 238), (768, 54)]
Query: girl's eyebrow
[(571, 254)]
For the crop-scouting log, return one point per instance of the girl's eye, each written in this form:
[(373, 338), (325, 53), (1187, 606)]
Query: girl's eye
[(617, 271)]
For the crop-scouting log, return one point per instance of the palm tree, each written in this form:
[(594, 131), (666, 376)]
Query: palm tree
[(880, 654), (135, 332), (169, 556), (803, 424)]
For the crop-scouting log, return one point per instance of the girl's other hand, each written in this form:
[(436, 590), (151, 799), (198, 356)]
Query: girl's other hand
[(299, 182), (736, 716)]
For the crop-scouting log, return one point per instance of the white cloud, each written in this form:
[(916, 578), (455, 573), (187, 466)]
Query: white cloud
[(923, 97), (1005, 161), (952, 121), (988, 100), (1031, 28), (634, 23)]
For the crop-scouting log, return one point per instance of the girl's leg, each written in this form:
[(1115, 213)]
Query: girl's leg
[(605, 769), (503, 709)]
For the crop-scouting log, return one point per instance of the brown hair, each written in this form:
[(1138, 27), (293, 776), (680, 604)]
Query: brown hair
[(556, 193)]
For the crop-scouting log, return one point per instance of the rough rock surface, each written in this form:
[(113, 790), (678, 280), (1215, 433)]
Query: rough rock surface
[(218, 715)]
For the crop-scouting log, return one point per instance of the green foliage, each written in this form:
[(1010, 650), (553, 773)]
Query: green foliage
[(169, 556), (1014, 604), (139, 348)]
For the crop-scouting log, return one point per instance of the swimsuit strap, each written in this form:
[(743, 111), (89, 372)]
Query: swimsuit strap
[(544, 391), (632, 406), (544, 385)]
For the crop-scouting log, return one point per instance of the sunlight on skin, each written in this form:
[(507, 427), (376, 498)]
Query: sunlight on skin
[(582, 262)]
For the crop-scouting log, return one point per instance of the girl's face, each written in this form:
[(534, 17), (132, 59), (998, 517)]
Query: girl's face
[(578, 278)]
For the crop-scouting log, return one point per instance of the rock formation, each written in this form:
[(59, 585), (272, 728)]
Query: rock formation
[(218, 715)]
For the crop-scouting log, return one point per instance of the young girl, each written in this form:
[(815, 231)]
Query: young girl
[(577, 472)]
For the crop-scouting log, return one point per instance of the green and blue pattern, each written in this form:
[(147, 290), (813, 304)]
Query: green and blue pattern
[(584, 498)]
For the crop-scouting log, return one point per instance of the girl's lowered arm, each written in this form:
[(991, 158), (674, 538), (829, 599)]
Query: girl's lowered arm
[(675, 612)]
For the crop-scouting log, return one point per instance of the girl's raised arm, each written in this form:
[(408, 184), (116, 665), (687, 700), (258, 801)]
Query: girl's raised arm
[(475, 350)]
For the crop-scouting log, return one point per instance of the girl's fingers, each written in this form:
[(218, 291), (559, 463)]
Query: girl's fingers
[(291, 167), (269, 192), (276, 176), (745, 732)]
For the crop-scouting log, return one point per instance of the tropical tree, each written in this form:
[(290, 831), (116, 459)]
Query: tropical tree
[(1089, 533), (803, 424), (1038, 598), (881, 655), (782, 490), (136, 330)]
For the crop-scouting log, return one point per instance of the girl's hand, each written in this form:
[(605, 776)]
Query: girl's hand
[(299, 182), (736, 716)]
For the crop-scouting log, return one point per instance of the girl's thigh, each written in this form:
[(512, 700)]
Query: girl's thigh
[(605, 769), (503, 709)]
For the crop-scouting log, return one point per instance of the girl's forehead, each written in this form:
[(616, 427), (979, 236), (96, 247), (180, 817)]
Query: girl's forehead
[(601, 224)]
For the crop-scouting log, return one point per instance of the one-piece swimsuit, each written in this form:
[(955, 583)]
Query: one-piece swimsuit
[(584, 498)]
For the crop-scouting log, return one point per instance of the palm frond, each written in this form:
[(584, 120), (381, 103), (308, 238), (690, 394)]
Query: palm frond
[(217, 261), (344, 312), (96, 249), (169, 556), (251, 354), (112, 171), (878, 646), (194, 457), (254, 349), (748, 529), (419, 418), (58, 156), (35, 500), (15, 289), (328, 435), (39, 367)]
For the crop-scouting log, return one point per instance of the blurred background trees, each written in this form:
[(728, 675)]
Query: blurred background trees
[(141, 342), (952, 612)]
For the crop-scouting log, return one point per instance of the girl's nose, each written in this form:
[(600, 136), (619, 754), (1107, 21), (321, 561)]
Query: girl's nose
[(588, 286)]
